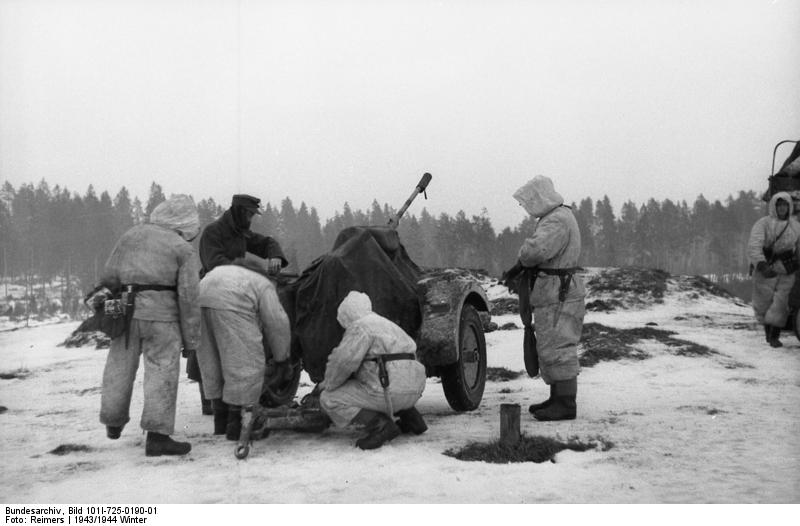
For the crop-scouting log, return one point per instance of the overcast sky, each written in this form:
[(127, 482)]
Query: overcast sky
[(333, 101)]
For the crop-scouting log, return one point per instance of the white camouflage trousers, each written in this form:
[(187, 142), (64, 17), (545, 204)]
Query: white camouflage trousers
[(771, 298), (159, 343), (344, 403), (231, 357)]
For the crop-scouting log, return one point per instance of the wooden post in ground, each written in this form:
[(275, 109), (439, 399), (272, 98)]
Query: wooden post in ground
[(509, 424)]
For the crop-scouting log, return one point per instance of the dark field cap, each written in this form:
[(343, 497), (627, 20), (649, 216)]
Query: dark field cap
[(247, 201)]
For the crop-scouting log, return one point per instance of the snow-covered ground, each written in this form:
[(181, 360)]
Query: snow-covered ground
[(715, 428)]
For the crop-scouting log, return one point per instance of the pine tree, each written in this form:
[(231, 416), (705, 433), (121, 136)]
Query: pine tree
[(156, 198), (629, 217), (288, 233), (606, 236), (584, 215), (123, 213), (485, 243), (8, 241), (137, 212)]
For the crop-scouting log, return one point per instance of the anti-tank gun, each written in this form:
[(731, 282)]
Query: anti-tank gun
[(444, 310)]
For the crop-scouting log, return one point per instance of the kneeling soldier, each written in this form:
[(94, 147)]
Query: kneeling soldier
[(372, 373)]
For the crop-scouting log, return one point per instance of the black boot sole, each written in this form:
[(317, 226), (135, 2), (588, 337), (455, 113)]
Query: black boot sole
[(549, 419), (165, 453)]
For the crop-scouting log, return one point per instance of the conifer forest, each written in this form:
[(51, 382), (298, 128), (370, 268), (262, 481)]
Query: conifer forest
[(51, 234)]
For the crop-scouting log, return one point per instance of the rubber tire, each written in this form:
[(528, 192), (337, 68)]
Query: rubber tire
[(284, 395), (463, 382)]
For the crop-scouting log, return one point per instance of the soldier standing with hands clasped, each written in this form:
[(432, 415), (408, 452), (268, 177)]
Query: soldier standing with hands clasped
[(550, 259)]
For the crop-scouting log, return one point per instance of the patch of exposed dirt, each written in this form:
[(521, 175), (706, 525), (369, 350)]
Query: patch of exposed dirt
[(601, 344), (529, 449), (57, 412), (604, 306), (19, 374), (734, 364), (613, 288), (614, 416), (702, 408), (65, 449), (501, 374), (748, 381), (631, 286), (701, 285), (505, 306)]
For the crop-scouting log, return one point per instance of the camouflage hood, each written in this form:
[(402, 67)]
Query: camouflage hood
[(354, 306), (178, 213), (784, 196), (538, 197)]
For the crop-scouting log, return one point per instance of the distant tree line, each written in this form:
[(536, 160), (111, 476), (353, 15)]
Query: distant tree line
[(49, 233)]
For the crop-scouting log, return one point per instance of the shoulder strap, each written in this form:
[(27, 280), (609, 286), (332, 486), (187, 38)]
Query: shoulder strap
[(779, 235)]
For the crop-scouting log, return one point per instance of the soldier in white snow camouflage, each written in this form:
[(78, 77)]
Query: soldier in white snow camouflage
[(773, 248), (551, 255), (158, 261)]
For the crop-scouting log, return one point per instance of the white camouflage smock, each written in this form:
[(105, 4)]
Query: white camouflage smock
[(771, 295), (157, 253), (351, 383), (243, 322), (555, 244)]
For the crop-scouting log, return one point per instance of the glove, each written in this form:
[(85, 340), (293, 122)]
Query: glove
[(97, 298), (765, 270), (511, 274), (282, 372), (274, 265)]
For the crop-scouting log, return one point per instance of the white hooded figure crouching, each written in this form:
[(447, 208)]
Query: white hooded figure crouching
[(372, 349)]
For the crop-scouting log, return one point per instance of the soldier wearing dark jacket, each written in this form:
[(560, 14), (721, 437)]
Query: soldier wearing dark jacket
[(229, 237), (224, 241)]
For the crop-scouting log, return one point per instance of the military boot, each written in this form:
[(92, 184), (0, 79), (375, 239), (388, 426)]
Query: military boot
[(379, 427), (113, 432), (205, 404), (220, 416), (411, 421), (773, 337), (158, 444), (563, 406), (541, 405), (234, 426)]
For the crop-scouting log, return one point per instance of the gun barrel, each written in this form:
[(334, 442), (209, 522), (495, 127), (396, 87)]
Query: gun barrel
[(421, 186)]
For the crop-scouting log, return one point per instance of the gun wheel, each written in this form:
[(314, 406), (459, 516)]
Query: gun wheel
[(464, 381)]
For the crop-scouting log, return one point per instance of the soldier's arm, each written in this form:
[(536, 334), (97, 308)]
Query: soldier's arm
[(265, 247), (550, 237), (275, 323), (346, 358), (188, 304)]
